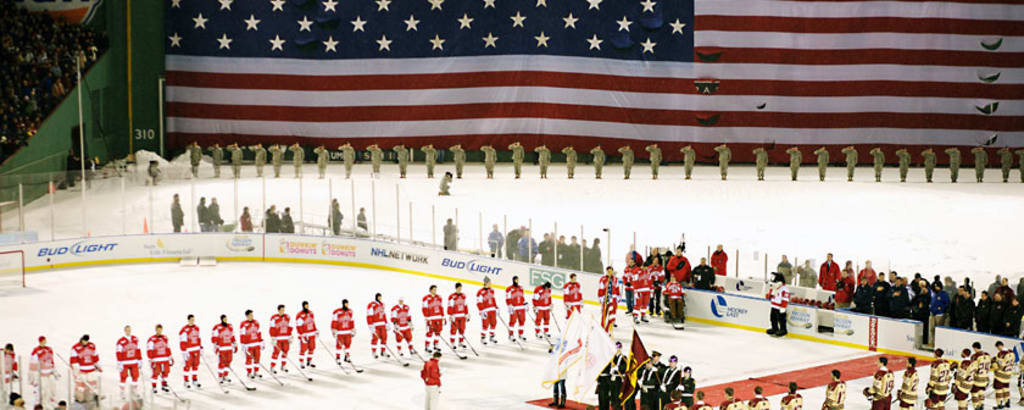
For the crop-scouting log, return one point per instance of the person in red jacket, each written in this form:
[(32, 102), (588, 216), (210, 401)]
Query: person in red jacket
[(674, 294), (679, 267), (828, 275), (431, 375), (868, 273), (719, 261), (844, 290)]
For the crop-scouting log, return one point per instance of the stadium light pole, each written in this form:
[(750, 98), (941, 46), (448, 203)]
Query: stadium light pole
[(81, 136)]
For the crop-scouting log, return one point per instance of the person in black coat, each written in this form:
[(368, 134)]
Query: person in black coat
[(881, 296), (704, 275), (287, 225), (983, 313), (996, 318), (963, 310), (863, 297), (899, 301), (272, 220), (921, 310), (546, 249), (1011, 318)]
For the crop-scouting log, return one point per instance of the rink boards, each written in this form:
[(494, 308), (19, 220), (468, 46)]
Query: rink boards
[(735, 310)]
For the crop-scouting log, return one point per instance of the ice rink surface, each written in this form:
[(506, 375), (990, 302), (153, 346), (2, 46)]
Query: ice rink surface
[(65, 304)]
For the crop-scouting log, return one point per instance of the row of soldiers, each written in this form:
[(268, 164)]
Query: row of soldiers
[(404, 157)]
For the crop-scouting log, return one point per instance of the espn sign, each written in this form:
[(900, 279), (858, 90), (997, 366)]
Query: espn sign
[(539, 276)]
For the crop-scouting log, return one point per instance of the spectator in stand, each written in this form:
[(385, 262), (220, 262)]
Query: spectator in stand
[(899, 300), (272, 221), (527, 247), (1020, 288), (561, 249), (720, 261), (995, 285), (287, 225), (921, 310), (983, 313), (572, 255), (1005, 290), (863, 298), (915, 285), (451, 236), (592, 257), (868, 272), (949, 286), (786, 269), (844, 288), (512, 244), (881, 295), (828, 275), (246, 220), (939, 309), (213, 216), (679, 267), (546, 249), (996, 315), (496, 241), (809, 278), (970, 289), (203, 214), (177, 215), (963, 310), (361, 220), (849, 269), (704, 275), (1011, 319)]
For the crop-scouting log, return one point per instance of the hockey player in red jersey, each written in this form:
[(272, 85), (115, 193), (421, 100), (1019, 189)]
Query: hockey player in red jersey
[(542, 309), (629, 276), (778, 295), (457, 315), (190, 344), (608, 293), (377, 321), (305, 326), (158, 350), (41, 375), (401, 324), (85, 369), (10, 364), (572, 296), (516, 302), (642, 286), (488, 309), (128, 357), (433, 314), (223, 338), (281, 334), (252, 344), (344, 328)]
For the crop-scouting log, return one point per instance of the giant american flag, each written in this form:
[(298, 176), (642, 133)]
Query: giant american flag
[(586, 72)]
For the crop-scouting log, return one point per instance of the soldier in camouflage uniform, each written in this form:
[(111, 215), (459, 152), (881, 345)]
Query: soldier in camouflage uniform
[(760, 161), (260, 159), (980, 161), (236, 159), (851, 161), (518, 153), (218, 157), (954, 163), (276, 157), (599, 158), (430, 157), (627, 160), (689, 156), (403, 159), (904, 158), (490, 157), (460, 159), (879, 162), (1005, 162), (298, 157), (570, 160), (1020, 163), (795, 159), (322, 157), (724, 156), (655, 158), (823, 159), (195, 156), (348, 156), (376, 156), (929, 164), (543, 159)]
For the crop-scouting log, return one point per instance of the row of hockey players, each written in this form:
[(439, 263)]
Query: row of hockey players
[(85, 359)]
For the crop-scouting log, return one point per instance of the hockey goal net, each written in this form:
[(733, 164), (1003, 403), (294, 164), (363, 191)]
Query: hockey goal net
[(12, 269)]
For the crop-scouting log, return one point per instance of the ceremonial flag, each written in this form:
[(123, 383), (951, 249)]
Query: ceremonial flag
[(637, 359)]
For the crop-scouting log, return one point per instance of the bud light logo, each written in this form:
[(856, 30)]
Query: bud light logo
[(77, 249), (720, 308), (470, 266)]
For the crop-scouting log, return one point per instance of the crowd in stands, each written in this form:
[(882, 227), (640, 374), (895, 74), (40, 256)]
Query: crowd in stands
[(38, 70)]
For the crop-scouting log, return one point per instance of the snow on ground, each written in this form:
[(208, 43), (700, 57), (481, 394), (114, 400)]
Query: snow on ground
[(65, 304), (940, 228)]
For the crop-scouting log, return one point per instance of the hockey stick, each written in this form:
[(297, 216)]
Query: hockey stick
[(164, 384), (514, 339), (240, 380), (328, 350), (554, 318), (274, 376), (393, 356), (210, 369), (459, 355), (308, 379), (354, 367)]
